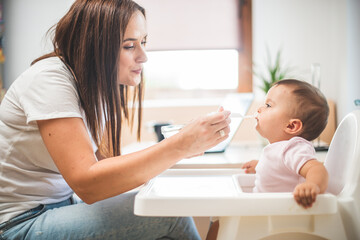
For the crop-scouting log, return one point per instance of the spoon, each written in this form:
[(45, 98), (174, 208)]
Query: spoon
[(239, 115)]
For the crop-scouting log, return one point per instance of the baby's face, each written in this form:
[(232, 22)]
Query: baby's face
[(273, 117)]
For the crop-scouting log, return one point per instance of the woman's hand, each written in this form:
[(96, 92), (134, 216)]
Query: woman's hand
[(203, 133), (250, 166)]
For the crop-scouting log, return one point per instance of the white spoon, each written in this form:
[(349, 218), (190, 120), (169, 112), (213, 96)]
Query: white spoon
[(239, 115)]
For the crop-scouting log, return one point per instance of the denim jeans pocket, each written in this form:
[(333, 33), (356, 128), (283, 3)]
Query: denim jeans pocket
[(22, 218)]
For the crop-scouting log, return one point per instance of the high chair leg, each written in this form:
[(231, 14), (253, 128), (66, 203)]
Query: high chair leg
[(249, 228), (228, 228)]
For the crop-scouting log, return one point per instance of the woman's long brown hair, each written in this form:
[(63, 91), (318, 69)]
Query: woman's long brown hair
[(88, 39)]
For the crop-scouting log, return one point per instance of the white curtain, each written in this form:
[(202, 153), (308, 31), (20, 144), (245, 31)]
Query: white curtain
[(192, 24)]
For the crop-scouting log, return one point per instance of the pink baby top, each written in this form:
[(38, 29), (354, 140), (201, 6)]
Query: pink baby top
[(279, 165)]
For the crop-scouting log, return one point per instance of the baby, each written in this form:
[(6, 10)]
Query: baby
[(294, 114)]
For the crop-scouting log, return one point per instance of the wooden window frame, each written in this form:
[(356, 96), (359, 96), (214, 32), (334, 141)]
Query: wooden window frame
[(245, 46)]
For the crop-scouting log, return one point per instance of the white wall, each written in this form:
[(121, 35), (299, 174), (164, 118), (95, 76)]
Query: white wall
[(313, 31), (350, 88), (26, 24)]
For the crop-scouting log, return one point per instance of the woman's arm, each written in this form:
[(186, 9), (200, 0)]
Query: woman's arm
[(69, 145)]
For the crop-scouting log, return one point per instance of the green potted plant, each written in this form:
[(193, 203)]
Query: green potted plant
[(275, 71)]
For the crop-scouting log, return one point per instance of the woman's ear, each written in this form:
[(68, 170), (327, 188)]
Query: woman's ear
[(294, 127)]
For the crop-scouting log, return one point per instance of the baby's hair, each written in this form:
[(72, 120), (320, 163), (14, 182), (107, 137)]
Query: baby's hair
[(311, 107)]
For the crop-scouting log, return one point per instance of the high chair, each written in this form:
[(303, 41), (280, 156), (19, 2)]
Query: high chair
[(243, 215)]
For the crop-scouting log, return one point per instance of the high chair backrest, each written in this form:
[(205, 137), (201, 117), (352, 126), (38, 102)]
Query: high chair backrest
[(343, 158)]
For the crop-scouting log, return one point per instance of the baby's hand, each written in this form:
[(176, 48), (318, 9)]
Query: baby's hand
[(305, 194), (250, 166)]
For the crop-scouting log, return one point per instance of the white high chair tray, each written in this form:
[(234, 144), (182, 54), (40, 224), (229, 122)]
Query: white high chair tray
[(217, 192)]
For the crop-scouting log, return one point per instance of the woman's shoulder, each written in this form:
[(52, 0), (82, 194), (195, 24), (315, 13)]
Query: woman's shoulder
[(50, 65), (47, 76), (46, 71)]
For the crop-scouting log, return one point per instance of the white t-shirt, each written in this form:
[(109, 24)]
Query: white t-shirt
[(28, 175), (279, 165)]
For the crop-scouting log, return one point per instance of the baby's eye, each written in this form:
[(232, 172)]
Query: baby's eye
[(143, 43), (267, 105)]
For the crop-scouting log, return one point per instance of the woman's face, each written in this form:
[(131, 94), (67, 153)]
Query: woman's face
[(132, 54)]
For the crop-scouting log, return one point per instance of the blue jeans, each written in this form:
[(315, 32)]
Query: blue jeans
[(108, 219)]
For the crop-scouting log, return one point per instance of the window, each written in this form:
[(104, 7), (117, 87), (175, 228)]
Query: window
[(192, 69), (198, 47)]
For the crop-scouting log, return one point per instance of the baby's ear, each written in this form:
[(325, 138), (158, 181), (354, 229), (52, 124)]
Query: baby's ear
[(294, 127)]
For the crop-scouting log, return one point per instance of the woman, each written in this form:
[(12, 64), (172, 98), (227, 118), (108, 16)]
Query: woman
[(65, 113)]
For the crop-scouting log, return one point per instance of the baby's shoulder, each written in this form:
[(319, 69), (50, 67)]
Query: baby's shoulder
[(298, 144), (298, 141)]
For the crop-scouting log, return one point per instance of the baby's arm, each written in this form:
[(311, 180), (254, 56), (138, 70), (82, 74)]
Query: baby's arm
[(316, 182), (250, 166)]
